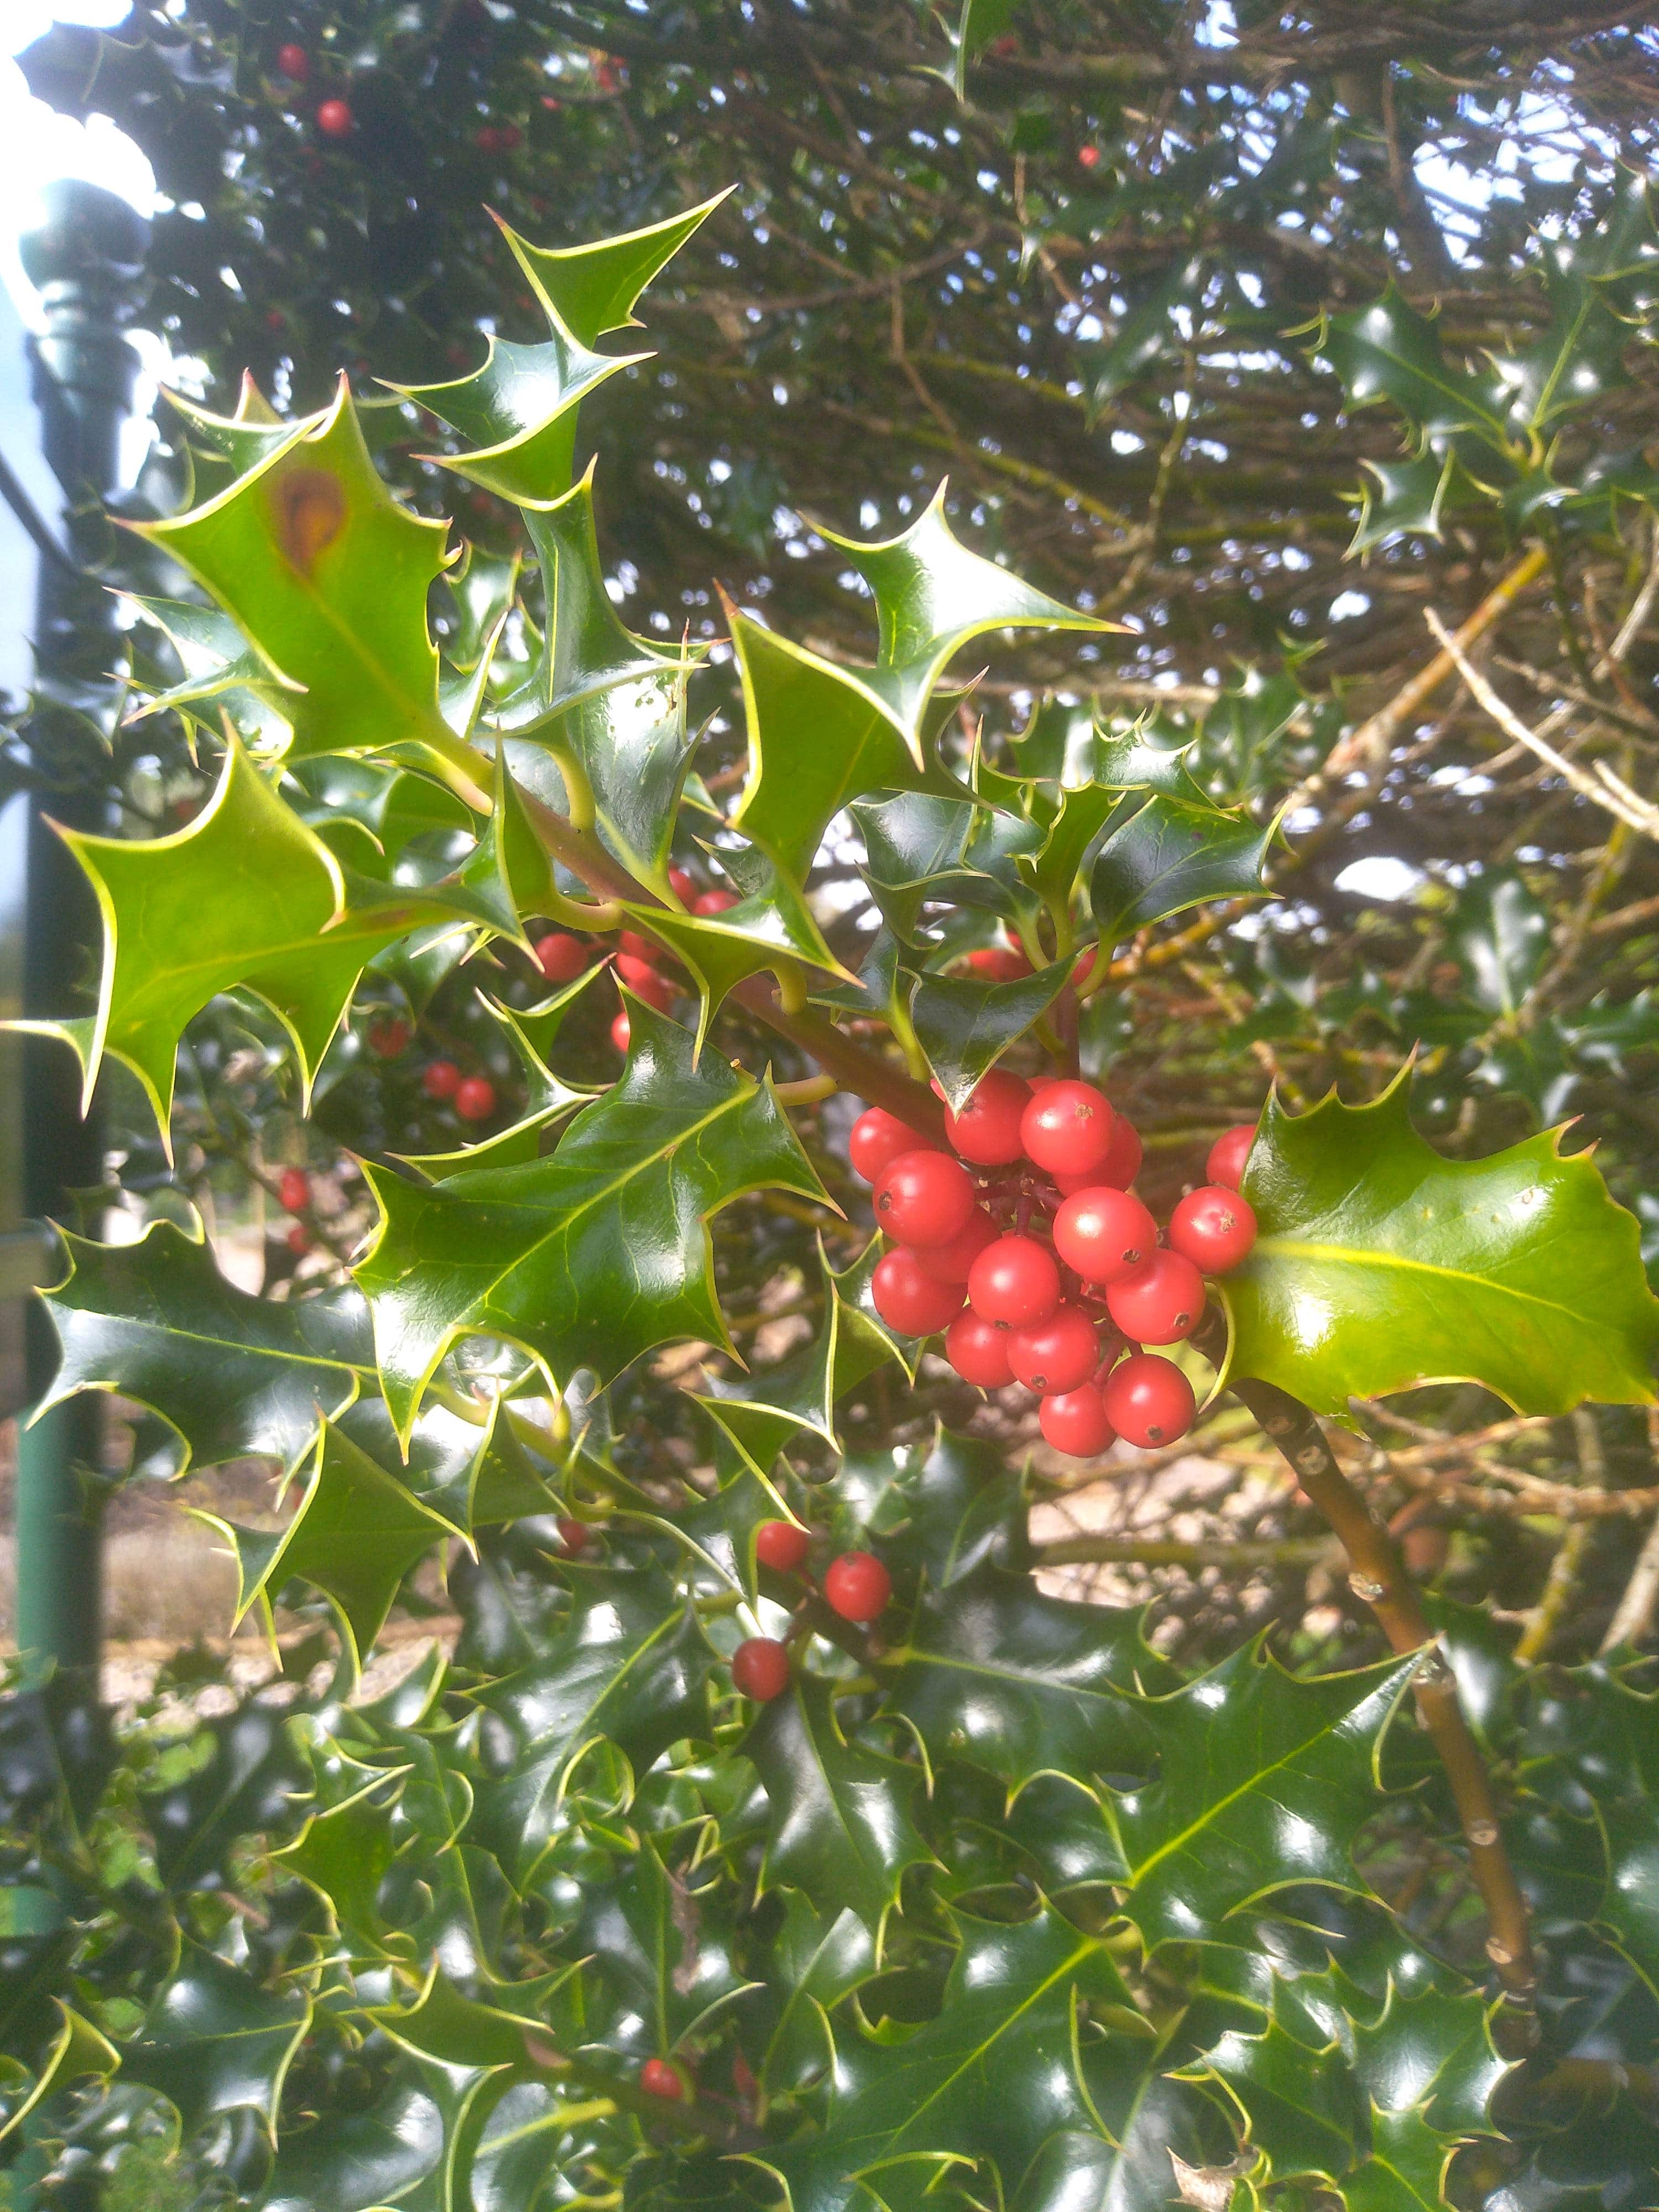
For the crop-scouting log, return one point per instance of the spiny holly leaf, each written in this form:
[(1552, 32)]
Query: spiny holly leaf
[(1170, 854), (252, 1781), (1380, 1266), (354, 1534), (964, 1025), (771, 928), (234, 1376), (817, 1960), (345, 1854), (1409, 498), (843, 1826), (327, 577), (1295, 2092), (242, 440), (659, 1936), (529, 1032), (932, 596), (213, 2041), (593, 288), (590, 1257), (996, 1674), (966, 1509), (1146, 334), (397, 2152), (1389, 352), (983, 2086), (520, 409), (631, 1664), (471, 1478), (78, 2050), (1083, 813), (246, 897), (222, 676), (1264, 1779), (916, 851), (630, 742)]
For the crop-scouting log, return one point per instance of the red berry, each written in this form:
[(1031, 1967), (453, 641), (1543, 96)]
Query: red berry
[(509, 137), (760, 1669), (1104, 1234), (619, 1031), (998, 963), (684, 886), (389, 1040), (298, 1240), (877, 1140), (1214, 1228), (781, 1545), (1228, 1155), (1122, 1162), (978, 1350), (440, 1078), (908, 1300), (924, 1198), (575, 1536), (715, 902), (1014, 1283), (335, 119), (294, 64), (987, 1130), (857, 1586), (643, 977), (275, 320), (641, 947), (952, 1261), (487, 140), (658, 2079), (1074, 1422), (1148, 1400), (1059, 1354), (295, 1189), (1088, 156), (1067, 1128), (1160, 1303), (475, 1099), (561, 956)]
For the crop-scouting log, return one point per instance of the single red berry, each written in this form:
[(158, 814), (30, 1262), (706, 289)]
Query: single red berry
[(952, 1261), (1160, 1303), (294, 64), (642, 976), (1059, 1354), (1122, 1162), (298, 1240), (658, 2079), (1214, 1228), (1088, 156), (641, 946), (335, 119), (1074, 1422), (781, 1545), (998, 963), (620, 1031), (1148, 1400), (877, 1140), (575, 1536), (509, 137), (924, 1198), (1228, 1155), (714, 901), (295, 1189), (475, 1099), (908, 1300), (682, 884), (561, 956), (857, 1586), (488, 141), (1014, 1283), (987, 1130), (275, 319), (389, 1040), (978, 1350), (1084, 966), (440, 1078), (760, 1669), (1067, 1128), (1104, 1234)]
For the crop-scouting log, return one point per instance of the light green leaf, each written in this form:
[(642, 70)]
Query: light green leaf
[(1171, 855), (593, 288)]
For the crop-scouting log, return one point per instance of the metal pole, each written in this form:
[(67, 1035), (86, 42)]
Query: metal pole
[(85, 259)]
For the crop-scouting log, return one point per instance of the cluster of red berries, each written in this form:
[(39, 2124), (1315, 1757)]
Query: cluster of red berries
[(472, 1097), (856, 1585), (1031, 1254), (563, 955)]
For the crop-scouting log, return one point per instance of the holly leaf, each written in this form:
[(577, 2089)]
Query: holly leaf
[(1379, 1264), (964, 1025), (1295, 2092), (246, 897), (985, 2084), (234, 1376), (1263, 1780), (327, 577), (843, 1819), (593, 288), (78, 2051), (816, 1962), (213, 2041), (1170, 854), (1501, 936), (345, 1853), (1146, 336), (595, 1254), (221, 675), (657, 1936), (916, 847), (249, 1784), (630, 742), (966, 1509), (771, 926), (1389, 352)]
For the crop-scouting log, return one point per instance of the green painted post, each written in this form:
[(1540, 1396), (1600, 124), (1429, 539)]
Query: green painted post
[(85, 259)]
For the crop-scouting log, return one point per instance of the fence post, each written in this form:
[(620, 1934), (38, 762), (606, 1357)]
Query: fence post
[(85, 259)]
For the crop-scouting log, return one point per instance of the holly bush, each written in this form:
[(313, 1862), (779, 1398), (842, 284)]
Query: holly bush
[(765, 1831)]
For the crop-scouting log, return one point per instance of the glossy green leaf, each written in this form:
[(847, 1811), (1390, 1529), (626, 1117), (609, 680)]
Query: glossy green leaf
[(659, 1936), (1146, 336), (771, 928), (213, 2041), (594, 1255), (1170, 854), (593, 288), (1380, 1265), (234, 1375), (1501, 936), (964, 1025), (78, 2050), (252, 1781), (819, 1959), (1389, 352)]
